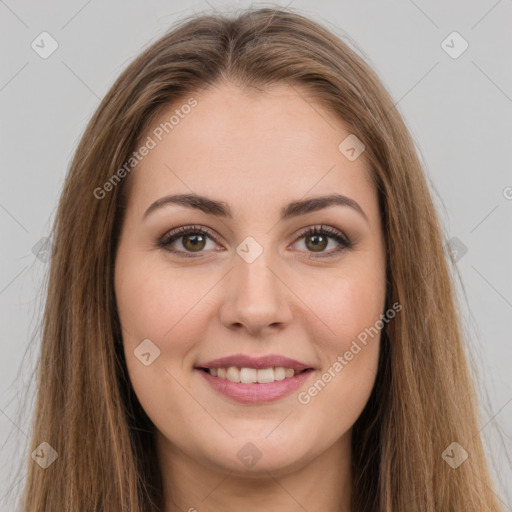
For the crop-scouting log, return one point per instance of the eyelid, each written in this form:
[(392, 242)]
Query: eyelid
[(323, 228), (319, 229), (175, 234)]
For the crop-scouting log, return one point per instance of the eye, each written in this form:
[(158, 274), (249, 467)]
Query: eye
[(316, 240), (194, 240)]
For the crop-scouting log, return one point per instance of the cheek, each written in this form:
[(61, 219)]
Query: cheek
[(351, 307), (342, 387), (168, 309), (348, 305), (154, 305), (152, 302)]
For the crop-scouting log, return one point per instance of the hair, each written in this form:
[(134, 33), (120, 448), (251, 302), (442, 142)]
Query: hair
[(423, 398)]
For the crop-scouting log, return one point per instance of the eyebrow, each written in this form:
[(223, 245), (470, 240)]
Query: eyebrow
[(222, 209)]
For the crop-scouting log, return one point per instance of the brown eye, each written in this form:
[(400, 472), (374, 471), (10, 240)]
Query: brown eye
[(317, 239), (193, 242), (188, 241), (316, 243)]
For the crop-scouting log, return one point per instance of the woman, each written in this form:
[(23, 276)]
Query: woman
[(249, 305)]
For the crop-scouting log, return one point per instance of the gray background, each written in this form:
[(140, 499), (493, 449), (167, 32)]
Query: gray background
[(458, 110)]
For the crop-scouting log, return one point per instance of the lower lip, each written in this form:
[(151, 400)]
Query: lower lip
[(256, 393)]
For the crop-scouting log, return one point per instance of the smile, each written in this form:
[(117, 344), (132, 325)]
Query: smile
[(253, 375), (252, 379)]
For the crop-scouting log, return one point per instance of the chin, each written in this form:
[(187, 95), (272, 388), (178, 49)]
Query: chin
[(256, 456)]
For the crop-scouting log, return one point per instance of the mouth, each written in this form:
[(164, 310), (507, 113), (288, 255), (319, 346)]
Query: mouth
[(251, 380), (247, 375)]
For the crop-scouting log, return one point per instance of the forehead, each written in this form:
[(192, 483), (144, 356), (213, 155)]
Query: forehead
[(248, 146)]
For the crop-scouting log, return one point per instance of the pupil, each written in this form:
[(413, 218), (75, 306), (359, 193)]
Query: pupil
[(316, 244), (195, 241)]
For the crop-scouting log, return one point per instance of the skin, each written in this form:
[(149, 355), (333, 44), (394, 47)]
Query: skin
[(256, 151)]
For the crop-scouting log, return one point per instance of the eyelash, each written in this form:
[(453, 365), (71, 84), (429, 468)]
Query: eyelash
[(165, 241)]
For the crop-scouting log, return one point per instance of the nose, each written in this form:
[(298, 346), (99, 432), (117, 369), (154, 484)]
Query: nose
[(256, 298)]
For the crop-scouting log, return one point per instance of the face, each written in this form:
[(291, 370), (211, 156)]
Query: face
[(249, 283)]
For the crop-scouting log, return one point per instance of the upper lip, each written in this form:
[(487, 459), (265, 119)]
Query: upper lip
[(246, 361)]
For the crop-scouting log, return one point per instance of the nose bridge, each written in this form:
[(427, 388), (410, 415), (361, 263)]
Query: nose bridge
[(256, 277), (256, 297)]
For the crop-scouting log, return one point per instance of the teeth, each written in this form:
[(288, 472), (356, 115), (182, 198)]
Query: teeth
[(266, 375), (252, 375), (248, 375), (233, 374), (279, 373)]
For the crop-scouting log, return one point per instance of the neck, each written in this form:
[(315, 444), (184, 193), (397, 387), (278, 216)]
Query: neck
[(322, 483)]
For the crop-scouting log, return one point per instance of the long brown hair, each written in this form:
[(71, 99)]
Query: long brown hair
[(423, 398)]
